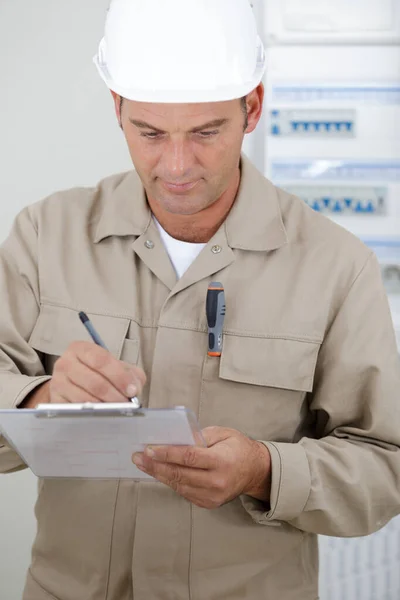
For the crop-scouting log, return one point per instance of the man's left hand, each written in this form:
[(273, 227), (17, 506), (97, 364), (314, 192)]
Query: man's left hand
[(231, 465)]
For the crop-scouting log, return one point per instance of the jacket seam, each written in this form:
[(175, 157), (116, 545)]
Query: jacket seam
[(267, 383), (274, 336), (138, 487), (201, 394), (12, 260), (356, 278), (38, 380), (247, 334), (105, 313), (188, 326), (111, 541), (310, 489), (272, 514), (42, 588), (370, 255), (191, 551), (192, 510)]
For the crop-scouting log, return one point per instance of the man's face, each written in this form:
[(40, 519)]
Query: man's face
[(187, 155)]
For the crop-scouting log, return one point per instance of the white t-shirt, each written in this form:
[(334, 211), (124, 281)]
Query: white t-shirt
[(181, 254)]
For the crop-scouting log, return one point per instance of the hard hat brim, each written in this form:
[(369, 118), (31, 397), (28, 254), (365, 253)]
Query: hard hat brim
[(185, 96)]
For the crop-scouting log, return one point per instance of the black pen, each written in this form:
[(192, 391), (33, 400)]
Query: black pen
[(97, 340), (215, 311)]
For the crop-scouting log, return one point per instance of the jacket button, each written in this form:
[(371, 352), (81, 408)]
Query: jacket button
[(216, 249), (149, 244)]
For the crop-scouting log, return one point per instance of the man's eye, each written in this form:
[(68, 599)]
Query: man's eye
[(150, 136), (208, 134), (156, 136)]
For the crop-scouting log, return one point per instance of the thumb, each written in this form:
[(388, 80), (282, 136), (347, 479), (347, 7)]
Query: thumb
[(214, 435)]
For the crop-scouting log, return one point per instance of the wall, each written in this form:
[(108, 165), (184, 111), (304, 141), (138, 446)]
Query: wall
[(57, 131)]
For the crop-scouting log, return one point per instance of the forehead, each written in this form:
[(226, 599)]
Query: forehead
[(182, 115)]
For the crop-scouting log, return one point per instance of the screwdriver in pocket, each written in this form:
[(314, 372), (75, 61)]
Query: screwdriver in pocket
[(215, 310)]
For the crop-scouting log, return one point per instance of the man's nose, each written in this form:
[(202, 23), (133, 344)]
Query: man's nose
[(178, 160)]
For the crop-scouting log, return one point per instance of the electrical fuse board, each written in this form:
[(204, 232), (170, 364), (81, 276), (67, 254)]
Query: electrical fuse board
[(347, 200), (313, 123)]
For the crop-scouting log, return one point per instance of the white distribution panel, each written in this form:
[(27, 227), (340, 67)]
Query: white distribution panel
[(362, 568), (388, 253), (319, 21), (335, 169), (345, 200), (337, 123), (362, 94), (332, 62)]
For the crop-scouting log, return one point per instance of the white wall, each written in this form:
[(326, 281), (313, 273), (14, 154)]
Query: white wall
[(57, 130)]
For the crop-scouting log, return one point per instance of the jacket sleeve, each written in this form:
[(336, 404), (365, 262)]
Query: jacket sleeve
[(21, 370), (346, 482)]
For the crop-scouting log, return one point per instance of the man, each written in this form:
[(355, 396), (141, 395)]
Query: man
[(301, 412)]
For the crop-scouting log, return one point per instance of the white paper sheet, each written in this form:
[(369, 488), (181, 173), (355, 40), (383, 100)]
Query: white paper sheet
[(57, 443)]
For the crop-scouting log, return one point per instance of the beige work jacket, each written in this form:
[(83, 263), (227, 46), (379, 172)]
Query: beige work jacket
[(309, 366)]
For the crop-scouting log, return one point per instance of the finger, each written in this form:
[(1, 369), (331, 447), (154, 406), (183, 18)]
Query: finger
[(186, 456), (128, 381), (94, 384), (199, 487), (56, 398), (172, 475), (215, 435), (62, 390), (137, 373)]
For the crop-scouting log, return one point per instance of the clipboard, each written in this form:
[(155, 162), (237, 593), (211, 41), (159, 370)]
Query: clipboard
[(94, 441)]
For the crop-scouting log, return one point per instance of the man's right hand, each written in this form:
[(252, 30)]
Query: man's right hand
[(88, 373)]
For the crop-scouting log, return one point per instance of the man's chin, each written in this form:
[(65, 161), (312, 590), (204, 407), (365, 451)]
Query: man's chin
[(181, 206), (182, 211)]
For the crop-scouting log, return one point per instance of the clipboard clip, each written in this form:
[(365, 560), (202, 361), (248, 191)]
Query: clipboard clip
[(52, 411)]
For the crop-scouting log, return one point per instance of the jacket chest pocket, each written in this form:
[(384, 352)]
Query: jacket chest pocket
[(57, 327), (259, 386)]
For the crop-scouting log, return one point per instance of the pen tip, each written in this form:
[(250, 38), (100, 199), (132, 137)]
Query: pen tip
[(83, 317)]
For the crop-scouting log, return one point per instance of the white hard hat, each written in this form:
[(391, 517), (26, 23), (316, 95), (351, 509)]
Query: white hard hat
[(181, 50)]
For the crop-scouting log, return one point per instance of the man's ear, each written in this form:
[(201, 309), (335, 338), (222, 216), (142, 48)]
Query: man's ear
[(254, 103), (118, 105)]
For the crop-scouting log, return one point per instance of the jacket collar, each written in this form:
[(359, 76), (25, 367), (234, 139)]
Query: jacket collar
[(254, 223), (124, 210)]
